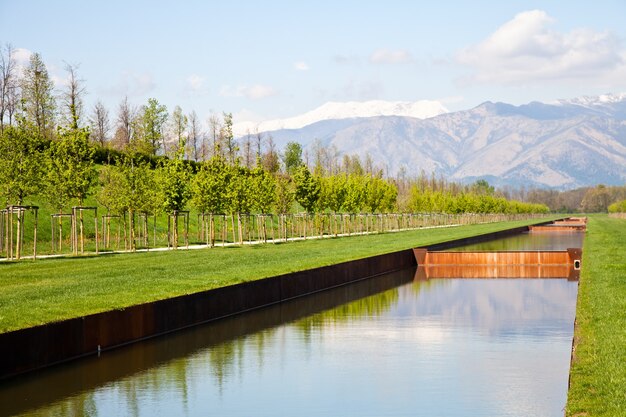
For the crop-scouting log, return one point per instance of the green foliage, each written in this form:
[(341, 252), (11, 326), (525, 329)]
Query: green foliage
[(618, 207), (173, 179), (355, 194), (239, 197), (20, 164), (209, 186), (37, 96), (333, 192), (152, 119), (292, 157), (425, 200), (307, 190), (71, 172), (285, 194), (263, 190)]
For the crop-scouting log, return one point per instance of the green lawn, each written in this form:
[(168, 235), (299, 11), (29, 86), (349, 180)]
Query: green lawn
[(47, 290), (598, 372)]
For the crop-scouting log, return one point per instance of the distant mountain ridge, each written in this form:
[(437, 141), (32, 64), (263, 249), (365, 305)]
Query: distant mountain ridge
[(345, 110), (568, 143)]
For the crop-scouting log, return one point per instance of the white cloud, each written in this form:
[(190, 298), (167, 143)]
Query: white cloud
[(253, 92), (388, 56), (132, 84), (301, 66), (525, 49), (195, 85)]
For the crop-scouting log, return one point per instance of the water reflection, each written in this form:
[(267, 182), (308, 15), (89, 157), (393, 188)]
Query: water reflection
[(385, 346), (529, 241)]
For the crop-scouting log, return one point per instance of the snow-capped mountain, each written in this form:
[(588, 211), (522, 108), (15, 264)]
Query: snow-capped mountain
[(564, 144), (345, 110)]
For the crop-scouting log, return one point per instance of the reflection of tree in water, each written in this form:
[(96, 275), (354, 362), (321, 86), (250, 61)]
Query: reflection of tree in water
[(79, 405), (372, 306)]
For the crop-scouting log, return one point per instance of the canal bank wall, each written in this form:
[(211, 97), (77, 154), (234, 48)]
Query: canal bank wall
[(37, 347)]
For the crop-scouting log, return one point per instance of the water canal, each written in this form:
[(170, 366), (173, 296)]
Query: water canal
[(387, 346)]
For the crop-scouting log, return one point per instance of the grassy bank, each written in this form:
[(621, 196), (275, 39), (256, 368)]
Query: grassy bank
[(36, 292), (598, 372)]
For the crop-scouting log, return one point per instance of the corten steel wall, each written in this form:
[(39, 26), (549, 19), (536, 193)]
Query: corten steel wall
[(37, 347), (28, 349)]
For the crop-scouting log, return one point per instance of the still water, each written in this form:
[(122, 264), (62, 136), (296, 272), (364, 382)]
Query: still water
[(529, 241), (387, 346)]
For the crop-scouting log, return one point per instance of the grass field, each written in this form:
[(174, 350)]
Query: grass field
[(47, 290), (598, 372)]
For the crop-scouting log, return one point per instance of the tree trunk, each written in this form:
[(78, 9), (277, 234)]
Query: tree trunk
[(211, 236), (175, 231)]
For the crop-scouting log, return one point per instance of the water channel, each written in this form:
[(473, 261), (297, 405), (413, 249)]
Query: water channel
[(387, 346)]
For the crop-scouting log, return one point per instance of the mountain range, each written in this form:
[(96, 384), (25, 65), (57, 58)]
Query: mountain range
[(563, 144)]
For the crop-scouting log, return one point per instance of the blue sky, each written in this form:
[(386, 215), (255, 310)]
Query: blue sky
[(274, 59)]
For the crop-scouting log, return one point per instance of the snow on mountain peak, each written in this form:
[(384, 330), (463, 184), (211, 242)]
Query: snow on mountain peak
[(421, 109), (589, 101)]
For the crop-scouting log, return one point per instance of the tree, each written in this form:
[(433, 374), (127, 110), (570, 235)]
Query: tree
[(37, 96), (8, 83), (100, 124), (125, 119), (209, 187), (20, 170), (215, 130), (179, 126), (292, 157), (270, 159), (264, 193), (196, 142), (307, 188), (228, 139), (239, 196), (174, 179), (153, 117), (71, 171), (72, 98)]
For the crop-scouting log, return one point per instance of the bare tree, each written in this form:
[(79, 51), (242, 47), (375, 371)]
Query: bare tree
[(215, 129), (247, 150), (124, 130), (72, 97), (100, 124), (259, 140), (178, 127), (8, 84), (195, 137)]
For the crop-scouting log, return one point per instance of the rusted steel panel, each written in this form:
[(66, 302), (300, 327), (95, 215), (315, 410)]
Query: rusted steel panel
[(493, 271), (498, 258)]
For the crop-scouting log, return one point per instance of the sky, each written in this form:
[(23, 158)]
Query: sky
[(269, 59)]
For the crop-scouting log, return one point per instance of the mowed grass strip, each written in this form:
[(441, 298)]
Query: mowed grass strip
[(48, 290), (598, 371)]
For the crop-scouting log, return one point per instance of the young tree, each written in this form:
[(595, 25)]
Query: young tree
[(37, 94), (209, 188), (292, 157), (20, 169), (100, 124), (71, 171), (307, 188), (174, 178), (264, 193), (239, 195)]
